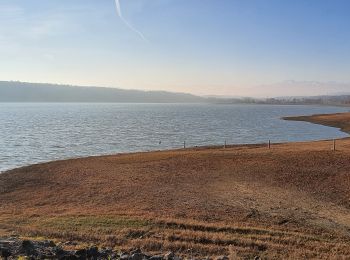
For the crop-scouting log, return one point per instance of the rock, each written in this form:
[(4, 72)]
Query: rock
[(222, 258), (156, 257), (106, 252), (124, 256), (92, 252), (169, 256), (60, 253), (26, 244), (135, 251), (49, 243), (5, 252), (69, 257), (137, 256), (14, 248), (70, 243), (28, 248), (81, 253)]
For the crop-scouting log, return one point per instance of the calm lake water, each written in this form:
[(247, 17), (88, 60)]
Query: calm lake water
[(33, 133)]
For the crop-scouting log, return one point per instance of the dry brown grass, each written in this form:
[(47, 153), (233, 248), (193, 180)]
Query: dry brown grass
[(339, 120), (292, 201)]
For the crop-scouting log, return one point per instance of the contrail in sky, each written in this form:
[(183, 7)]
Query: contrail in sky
[(119, 12)]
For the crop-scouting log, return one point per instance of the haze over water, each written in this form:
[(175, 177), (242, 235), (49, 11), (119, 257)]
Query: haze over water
[(36, 132)]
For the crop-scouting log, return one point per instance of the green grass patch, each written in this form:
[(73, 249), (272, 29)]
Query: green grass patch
[(92, 222)]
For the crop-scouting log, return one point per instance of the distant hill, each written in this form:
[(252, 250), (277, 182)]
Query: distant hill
[(12, 91), (341, 100)]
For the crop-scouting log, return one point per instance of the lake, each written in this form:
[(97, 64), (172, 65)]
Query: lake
[(39, 132)]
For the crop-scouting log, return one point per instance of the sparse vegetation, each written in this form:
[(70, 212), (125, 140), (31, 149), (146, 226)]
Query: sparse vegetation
[(339, 120)]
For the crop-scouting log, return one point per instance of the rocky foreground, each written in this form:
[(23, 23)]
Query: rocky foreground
[(14, 248)]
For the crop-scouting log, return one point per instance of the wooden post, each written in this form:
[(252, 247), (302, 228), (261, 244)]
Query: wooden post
[(333, 144), (269, 144), (225, 144), (184, 144)]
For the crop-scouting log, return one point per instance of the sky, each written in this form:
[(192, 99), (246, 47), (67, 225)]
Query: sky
[(204, 47)]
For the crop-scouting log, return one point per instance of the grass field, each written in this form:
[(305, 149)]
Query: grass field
[(290, 201), (339, 120)]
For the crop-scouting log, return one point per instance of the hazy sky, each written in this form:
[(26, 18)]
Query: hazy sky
[(197, 46)]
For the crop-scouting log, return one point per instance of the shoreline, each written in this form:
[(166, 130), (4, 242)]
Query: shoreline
[(189, 149), (253, 201), (320, 119), (337, 120)]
